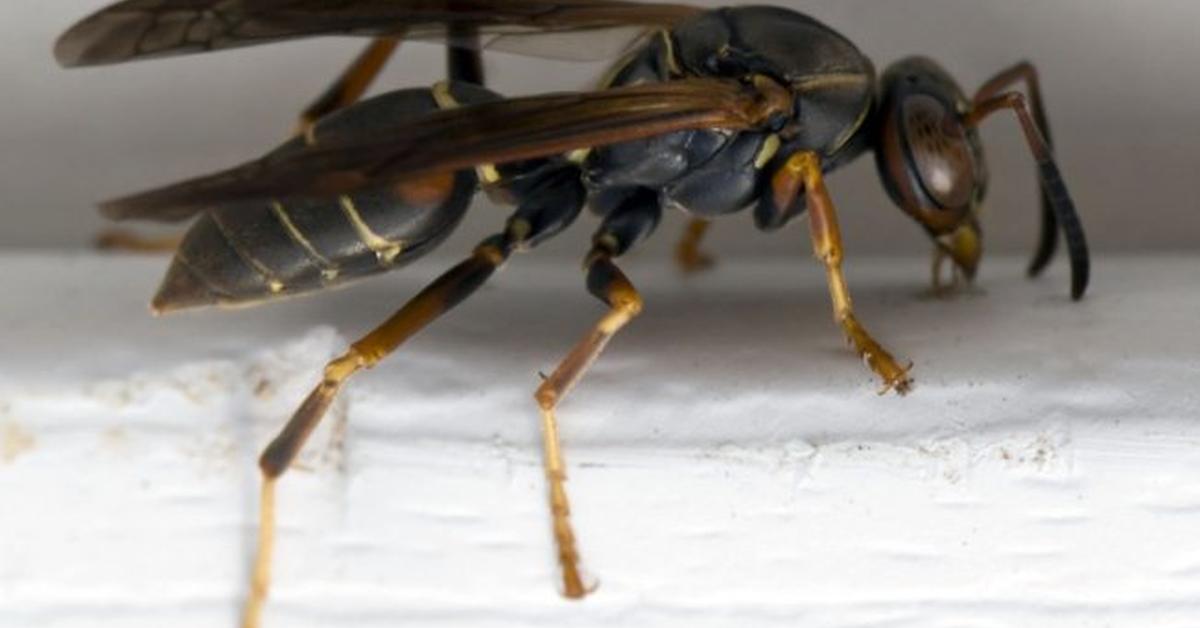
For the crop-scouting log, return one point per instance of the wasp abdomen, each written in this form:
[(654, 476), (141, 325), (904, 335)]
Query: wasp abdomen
[(245, 254), (249, 252)]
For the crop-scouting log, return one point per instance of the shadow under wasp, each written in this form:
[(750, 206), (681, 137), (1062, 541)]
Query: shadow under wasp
[(710, 112)]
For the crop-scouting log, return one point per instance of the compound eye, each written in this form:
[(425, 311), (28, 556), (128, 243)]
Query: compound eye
[(940, 152)]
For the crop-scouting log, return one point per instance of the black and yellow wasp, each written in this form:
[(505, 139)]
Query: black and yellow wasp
[(711, 111)]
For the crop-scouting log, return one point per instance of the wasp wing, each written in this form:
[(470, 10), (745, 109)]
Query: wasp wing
[(138, 29), (497, 132)]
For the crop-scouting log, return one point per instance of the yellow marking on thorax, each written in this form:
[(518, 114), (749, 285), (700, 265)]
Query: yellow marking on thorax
[(832, 79), (385, 250), (673, 68), (579, 155), (488, 173), (672, 63), (329, 270), (445, 100), (767, 152)]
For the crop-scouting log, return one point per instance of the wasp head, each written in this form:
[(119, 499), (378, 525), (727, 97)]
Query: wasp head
[(930, 158)]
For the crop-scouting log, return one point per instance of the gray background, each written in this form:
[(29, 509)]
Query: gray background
[(1120, 80)]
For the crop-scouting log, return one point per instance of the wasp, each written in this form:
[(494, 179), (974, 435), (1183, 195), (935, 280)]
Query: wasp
[(711, 112)]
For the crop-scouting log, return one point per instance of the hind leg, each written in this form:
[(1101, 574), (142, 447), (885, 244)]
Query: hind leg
[(553, 208), (605, 281), (463, 64), (443, 294), (133, 242), (348, 88)]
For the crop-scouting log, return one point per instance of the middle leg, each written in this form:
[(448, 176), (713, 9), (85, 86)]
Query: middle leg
[(688, 255), (621, 229), (463, 63), (348, 88)]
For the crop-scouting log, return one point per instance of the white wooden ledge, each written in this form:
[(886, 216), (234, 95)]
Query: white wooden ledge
[(729, 460)]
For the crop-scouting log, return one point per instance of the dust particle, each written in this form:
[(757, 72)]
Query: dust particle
[(14, 441)]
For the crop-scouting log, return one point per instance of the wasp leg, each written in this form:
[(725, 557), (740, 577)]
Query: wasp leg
[(606, 282), (553, 205), (443, 294), (1024, 71), (350, 86), (941, 288), (1053, 187), (133, 242), (464, 63), (939, 261), (688, 255), (803, 170)]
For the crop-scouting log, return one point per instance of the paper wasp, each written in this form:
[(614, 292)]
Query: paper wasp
[(712, 112)]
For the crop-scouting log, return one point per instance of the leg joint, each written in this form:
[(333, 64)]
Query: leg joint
[(827, 252), (494, 250), (340, 368), (606, 282), (625, 298), (546, 396)]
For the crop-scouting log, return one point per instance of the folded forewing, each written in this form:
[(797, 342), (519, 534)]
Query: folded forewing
[(497, 132)]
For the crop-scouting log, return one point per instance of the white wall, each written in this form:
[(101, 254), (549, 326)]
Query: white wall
[(1119, 78)]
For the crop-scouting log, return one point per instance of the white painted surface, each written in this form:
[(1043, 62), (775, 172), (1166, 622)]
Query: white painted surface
[(729, 461)]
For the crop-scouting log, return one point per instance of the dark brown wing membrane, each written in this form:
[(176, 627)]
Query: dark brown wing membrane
[(139, 29), (499, 132)]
